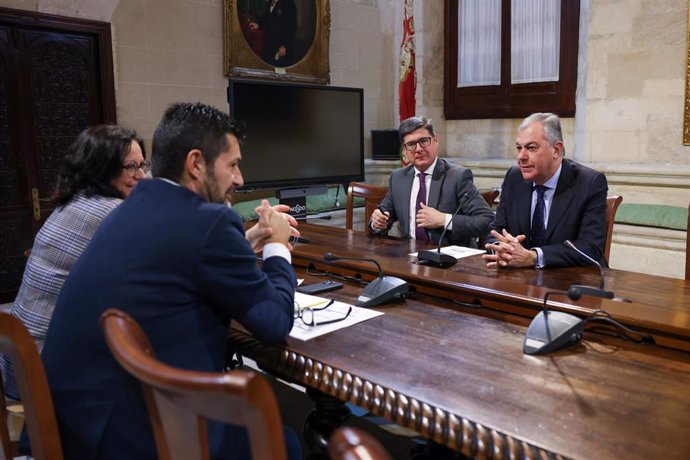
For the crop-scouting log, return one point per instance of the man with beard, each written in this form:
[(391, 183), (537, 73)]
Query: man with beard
[(178, 260)]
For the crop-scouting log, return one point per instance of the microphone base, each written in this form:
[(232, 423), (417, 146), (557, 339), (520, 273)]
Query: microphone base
[(552, 330), (381, 290), (435, 259)]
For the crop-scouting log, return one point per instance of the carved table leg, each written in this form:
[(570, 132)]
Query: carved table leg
[(329, 413)]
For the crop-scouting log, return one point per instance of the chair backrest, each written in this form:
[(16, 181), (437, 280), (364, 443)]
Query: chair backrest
[(372, 195), (490, 196), (179, 401), (348, 443), (612, 203), (687, 248), (18, 346)]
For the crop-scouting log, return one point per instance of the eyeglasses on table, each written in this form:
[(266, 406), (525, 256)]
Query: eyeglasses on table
[(308, 314)]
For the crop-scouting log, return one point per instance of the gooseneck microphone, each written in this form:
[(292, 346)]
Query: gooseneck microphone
[(330, 258), (437, 258), (570, 244), (551, 330), (576, 291), (378, 291)]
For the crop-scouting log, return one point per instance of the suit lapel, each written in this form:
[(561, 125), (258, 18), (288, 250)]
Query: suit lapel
[(523, 197), (404, 217), (437, 179), (562, 198)]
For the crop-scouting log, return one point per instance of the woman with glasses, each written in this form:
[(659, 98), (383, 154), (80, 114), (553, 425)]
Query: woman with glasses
[(98, 171)]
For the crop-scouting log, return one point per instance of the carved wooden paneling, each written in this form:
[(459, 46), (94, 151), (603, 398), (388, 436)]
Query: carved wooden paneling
[(8, 176), (56, 78), (12, 260), (61, 91)]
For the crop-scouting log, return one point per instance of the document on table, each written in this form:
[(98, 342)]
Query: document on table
[(337, 310), (458, 251)]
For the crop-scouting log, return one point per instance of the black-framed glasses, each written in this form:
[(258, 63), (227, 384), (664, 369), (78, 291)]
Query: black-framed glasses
[(308, 314), (423, 142), (133, 167)]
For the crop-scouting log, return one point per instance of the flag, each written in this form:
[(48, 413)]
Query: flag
[(408, 76)]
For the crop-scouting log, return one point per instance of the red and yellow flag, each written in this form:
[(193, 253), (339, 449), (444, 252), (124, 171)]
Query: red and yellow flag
[(408, 76)]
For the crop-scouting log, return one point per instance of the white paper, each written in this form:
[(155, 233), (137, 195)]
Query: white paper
[(338, 310), (458, 251)]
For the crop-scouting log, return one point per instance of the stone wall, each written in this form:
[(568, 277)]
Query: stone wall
[(630, 82)]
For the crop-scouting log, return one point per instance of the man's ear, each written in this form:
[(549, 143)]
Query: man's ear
[(195, 164), (558, 149)]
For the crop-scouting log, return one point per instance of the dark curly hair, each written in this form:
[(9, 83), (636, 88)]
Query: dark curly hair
[(93, 161), (186, 126)]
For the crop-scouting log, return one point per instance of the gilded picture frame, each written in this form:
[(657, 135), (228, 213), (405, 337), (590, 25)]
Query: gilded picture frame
[(243, 59), (686, 112)]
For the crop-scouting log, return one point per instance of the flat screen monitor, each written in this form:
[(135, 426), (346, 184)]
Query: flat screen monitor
[(298, 135)]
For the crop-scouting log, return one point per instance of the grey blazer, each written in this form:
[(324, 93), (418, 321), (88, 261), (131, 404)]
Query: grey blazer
[(451, 187)]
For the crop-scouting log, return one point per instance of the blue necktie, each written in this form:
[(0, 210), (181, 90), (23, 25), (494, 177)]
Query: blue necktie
[(538, 233), (420, 233)]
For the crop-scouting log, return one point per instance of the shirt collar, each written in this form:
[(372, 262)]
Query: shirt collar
[(553, 181), (168, 181)]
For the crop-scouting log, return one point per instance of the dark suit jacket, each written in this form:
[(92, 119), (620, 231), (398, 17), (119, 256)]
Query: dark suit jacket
[(578, 214), (450, 187), (279, 29), (182, 268)]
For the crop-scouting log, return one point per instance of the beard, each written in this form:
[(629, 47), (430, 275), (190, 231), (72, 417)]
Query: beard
[(212, 190)]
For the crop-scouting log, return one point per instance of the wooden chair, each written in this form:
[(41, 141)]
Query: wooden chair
[(18, 346), (348, 443), (179, 401), (372, 195), (490, 197), (687, 248), (612, 203)]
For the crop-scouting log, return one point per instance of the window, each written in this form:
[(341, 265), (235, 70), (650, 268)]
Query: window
[(510, 58)]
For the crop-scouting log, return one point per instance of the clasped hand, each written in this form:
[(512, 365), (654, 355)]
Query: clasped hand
[(426, 217), (508, 251), (274, 226), (429, 217)]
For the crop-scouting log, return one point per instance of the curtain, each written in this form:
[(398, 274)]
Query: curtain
[(535, 33), (535, 36), (479, 42)]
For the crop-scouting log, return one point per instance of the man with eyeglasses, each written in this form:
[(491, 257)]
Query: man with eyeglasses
[(177, 259), (425, 195)]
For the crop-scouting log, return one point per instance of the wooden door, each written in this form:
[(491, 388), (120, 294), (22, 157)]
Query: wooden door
[(55, 80)]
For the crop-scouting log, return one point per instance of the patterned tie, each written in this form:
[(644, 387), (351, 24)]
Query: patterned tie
[(538, 233), (420, 233)]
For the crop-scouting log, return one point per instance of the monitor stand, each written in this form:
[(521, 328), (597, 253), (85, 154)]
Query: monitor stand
[(296, 198)]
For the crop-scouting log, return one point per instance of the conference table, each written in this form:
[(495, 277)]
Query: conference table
[(448, 361)]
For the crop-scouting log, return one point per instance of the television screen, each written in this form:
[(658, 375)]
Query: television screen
[(297, 135)]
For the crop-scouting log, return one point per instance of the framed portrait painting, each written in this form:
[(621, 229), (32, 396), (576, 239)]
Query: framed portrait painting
[(277, 39)]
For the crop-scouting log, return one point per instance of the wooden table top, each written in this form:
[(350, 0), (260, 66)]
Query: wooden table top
[(457, 374), (660, 306)]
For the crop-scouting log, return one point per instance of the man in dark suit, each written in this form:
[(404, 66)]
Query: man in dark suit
[(176, 258), (546, 200), (279, 23), (425, 204)]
